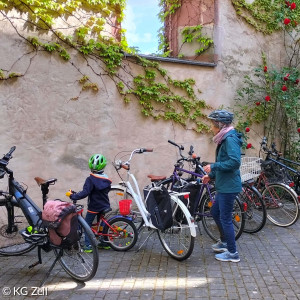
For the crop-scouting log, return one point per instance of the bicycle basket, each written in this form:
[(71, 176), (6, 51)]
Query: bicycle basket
[(250, 168), (125, 206)]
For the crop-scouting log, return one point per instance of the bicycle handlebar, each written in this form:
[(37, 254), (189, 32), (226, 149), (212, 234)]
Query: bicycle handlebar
[(126, 165), (5, 159)]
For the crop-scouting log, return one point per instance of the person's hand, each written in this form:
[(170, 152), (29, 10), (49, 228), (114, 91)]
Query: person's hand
[(205, 179), (207, 168), (69, 193)]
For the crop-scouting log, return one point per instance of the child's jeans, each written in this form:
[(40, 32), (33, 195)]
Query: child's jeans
[(89, 218), (222, 214)]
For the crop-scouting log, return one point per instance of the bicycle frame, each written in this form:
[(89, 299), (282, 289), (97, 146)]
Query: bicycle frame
[(102, 223), (19, 198), (276, 161), (176, 177)]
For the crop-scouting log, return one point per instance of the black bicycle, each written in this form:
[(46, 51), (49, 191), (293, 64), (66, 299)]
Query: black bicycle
[(293, 172), (21, 228)]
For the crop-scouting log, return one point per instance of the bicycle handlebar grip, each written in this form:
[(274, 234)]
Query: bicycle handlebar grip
[(264, 141), (148, 150), (7, 156), (125, 167), (169, 141)]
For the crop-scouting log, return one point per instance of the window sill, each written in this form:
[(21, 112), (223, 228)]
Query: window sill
[(173, 60)]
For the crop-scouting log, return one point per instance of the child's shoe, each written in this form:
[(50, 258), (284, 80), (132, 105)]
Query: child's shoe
[(103, 245), (87, 249)]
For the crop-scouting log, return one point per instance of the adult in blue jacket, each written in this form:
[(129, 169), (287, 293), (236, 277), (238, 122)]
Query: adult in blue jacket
[(228, 183), (96, 188)]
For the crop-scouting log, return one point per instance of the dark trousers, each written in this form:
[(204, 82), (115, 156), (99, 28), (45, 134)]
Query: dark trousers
[(222, 214)]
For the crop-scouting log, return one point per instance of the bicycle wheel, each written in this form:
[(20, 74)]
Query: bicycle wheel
[(122, 235), (256, 214), (11, 242), (209, 225), (78, 264), (281, 204), (177, 240)]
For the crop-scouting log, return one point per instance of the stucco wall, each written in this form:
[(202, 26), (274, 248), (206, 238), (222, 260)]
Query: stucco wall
[(55, 136)]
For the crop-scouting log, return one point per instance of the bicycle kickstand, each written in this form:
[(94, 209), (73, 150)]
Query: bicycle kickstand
[(151, 232), (51, 268)]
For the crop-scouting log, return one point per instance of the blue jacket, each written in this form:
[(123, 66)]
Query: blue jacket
[(228, 160), (96, 187)]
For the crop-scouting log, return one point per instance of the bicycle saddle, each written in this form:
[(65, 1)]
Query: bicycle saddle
[(156, 178), (41, 181), (106, 210)]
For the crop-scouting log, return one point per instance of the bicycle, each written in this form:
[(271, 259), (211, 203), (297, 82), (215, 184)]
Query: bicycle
[(280, 199), (295, 182), (256, 213), (119, 232), (203, 198), (178, 239), (19, 212)]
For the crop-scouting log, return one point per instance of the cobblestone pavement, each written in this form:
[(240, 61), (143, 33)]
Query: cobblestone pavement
[(269, 269)]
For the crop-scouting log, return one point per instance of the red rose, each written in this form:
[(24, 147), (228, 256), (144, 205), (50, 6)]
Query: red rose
[(287, 3), (298, 129), (286, 78), (265, 69), (284, 88), (293, 5), (247, 129), (257, 103), (249, 146), (297, 81), (286, 21), (267, 98)]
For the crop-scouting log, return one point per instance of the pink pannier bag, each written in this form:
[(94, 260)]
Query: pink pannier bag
[(62, 221)]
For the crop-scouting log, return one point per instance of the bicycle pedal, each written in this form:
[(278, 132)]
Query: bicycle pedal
[(33, 238)]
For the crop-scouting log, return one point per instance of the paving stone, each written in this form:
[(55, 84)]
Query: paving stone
[(269, 269)]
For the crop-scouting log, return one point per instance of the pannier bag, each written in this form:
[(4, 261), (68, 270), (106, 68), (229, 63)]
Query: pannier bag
[(158, 203), (193, 188), (62, 222)]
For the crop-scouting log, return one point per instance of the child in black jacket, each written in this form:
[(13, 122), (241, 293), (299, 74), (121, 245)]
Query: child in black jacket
[(96, 188)]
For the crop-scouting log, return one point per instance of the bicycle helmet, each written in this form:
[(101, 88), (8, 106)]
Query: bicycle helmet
[(97, 162), (221, 115)]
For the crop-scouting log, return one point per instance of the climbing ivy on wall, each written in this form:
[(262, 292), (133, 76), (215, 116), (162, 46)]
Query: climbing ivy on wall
[(71, 27), (266, 15), (270, 95)]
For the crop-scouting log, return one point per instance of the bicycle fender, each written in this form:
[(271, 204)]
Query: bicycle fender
[(190, 219), (120, 216), (114, 217)]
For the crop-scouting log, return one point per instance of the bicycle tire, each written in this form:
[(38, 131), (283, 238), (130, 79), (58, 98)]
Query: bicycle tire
[(126, 237), (281, 203), (256, 214), (78, 264), (209, 225), (177, 240), (13, 244)]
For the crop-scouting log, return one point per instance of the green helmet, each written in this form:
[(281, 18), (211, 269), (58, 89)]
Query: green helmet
[(97, 162)]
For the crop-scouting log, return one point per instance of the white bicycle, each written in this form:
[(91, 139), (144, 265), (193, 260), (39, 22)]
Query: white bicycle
[(178, 239)]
